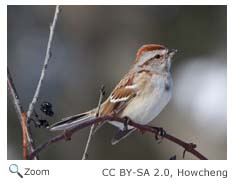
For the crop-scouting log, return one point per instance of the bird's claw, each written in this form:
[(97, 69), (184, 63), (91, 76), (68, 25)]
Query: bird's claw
[(160, 134), (126, 122)]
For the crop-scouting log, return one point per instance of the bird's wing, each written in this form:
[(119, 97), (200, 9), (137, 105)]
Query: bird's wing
[(120, 97), (124, 92)]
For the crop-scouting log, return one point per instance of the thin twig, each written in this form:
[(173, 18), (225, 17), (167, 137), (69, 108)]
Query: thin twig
[(24, 130), (14, 95), (85, 154), (43, 71), (21, 114), (46, 61), (189, 147)]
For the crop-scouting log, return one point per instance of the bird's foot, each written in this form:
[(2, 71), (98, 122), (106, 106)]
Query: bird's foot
[(126, 122), (160, 133)]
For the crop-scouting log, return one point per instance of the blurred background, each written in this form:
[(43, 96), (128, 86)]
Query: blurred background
[(96, 45)]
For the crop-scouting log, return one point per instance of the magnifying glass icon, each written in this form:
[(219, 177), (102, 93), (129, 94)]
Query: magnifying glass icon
[(13, 168)]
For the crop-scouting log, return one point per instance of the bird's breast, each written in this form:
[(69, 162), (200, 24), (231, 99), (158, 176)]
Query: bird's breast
[(150, 101)]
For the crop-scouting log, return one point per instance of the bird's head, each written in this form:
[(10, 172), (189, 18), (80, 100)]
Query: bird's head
[(154, 57)]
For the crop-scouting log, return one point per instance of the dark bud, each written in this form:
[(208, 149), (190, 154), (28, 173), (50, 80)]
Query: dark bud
[(46, 108), (41, 123)]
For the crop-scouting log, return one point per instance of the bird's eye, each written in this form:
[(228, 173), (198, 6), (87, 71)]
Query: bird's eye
[(157, 56)]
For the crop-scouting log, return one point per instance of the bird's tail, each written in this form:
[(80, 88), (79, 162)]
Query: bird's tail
[(73, 121)]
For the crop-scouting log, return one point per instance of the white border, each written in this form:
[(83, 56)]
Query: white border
[(88, 172), (3, 81), (117, 2)]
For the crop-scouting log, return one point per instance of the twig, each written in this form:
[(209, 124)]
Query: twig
[(14, 95), (21, 115), (47, 58), (68, 133), (46, 61), (24, 130), (27, 140), (85, 154)]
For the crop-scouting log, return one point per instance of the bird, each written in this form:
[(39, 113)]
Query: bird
[(141, 94)]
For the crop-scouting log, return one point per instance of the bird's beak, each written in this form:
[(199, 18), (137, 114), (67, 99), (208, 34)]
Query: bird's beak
[(171, 52)]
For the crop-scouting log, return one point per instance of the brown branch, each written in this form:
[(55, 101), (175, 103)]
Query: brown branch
[(24, 129), (66, 135), (20, 112)]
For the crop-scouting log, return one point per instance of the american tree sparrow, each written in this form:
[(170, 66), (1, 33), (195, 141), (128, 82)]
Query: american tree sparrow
[(141, 95)]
